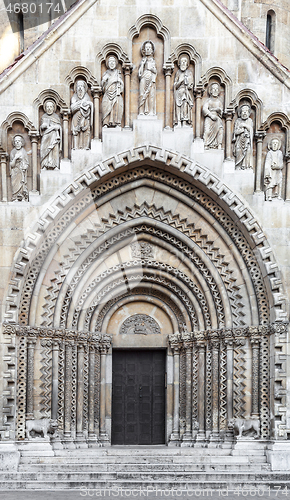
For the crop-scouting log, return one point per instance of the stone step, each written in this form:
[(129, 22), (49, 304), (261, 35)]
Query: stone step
[(131, 467), (260, 484), (137, 476)]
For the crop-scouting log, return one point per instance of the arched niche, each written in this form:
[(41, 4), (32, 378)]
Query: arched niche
[(219, 75), (116, 50), (15, 123), (45, 95), (155, 23), (249, 96)]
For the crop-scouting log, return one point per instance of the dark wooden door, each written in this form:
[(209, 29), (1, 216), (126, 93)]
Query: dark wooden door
[(138, 397)]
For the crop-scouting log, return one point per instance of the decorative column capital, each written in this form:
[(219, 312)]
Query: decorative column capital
[(260, 135), (105, 344), (175, 342), (65, 112), (3, 156), (229, 114), (96, 91), (198, 91), (127, 68), (168, 69)]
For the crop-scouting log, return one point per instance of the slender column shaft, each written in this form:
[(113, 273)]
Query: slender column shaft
[(127, 72), (4, 157), (54, 397), (103, 394), (230, 363), (288, 179), (96, 95), (176, 393), (80, 389), (215, 388), (188, 389), (91, 391), (34, 142), (201, 392), (167, 72), (65, 135), (68, 390), (30, 377), (255, 376), (229, 118), (198, 115), (259, 163)]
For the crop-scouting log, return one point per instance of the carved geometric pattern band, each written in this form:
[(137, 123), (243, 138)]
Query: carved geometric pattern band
[(239, 384), (21, 387), (46, 372)]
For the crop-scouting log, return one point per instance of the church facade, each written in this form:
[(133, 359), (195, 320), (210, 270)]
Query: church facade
[(145, 210)]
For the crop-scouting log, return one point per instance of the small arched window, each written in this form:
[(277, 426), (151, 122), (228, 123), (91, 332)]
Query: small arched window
[(21, 31), (270, 30)]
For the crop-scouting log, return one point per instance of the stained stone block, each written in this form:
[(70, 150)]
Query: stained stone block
[(116, 140), (53, 180), (147, 130), (211, 158), (180, 139)]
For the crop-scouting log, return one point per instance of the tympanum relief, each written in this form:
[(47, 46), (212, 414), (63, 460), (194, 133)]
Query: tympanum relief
[(213, 125), (147, 76), (112, 87), (82, 116), (273, 170), (19, 164), (183, 93), (51, 132), (243, 138)]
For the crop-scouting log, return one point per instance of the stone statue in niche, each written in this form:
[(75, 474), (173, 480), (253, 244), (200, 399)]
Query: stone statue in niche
[(273, 170), (112, 87), (82, 116), (147, 76), (243, 138), (183, 92), (51, 142), (213, 125), (18, 169)]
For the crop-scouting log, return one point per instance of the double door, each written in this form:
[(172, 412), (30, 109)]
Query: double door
[(138, 397)]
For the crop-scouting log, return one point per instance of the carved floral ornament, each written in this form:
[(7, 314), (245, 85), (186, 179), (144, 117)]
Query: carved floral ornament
[(141, 324)]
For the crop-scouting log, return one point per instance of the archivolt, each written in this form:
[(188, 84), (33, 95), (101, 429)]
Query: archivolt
[(194, 181)]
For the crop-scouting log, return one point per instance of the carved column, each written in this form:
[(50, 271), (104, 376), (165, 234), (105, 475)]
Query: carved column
[(201, 390), (104, 347), (54, 397), (288, 177), (34, 141), (127, 73), (92, 391), (255, 342), (65, 117), (259, 136), (68, 390), (97, 92), (175, 344), (228, 116), (30, 377), (198, 96), (187, 437), (4, 159), (167, 72), (215, 391), (230, 384), (80, 390)]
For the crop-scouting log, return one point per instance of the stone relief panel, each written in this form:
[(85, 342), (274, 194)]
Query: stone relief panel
[(142, 250), (213, 111), (112, 87), (243, 138), (51, 137), (19, 165), (183, 92), (82, 115), (141, 324), (273, 178)]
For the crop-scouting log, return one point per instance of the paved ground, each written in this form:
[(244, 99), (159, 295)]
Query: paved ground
[(160, 495)]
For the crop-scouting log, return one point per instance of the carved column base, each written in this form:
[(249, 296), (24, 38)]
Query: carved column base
[(104, 439), (174, 439), (187, 440), (93, 442), (56, 443), (68, 443), (214, 439), (200, 440)]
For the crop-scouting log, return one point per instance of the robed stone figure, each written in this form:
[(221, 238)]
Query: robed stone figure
[(112, 87), (147, 75), (82, 116), (51, 142), (273, 170), (213, 125), (243, 138), (183, 93), (18, 169)]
